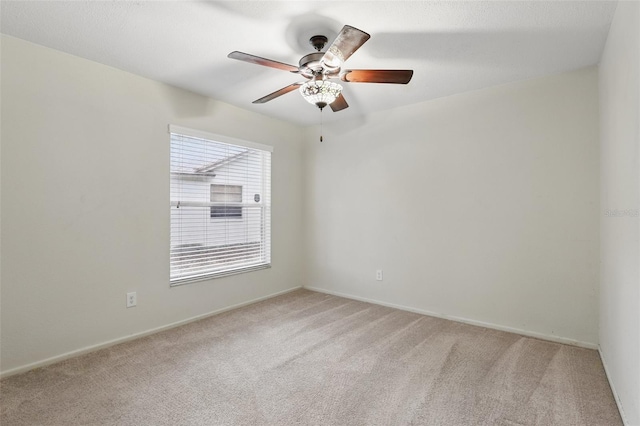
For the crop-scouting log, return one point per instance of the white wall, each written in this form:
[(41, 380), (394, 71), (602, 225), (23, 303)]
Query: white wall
[(481, 206), (85, 204), (620, 192)]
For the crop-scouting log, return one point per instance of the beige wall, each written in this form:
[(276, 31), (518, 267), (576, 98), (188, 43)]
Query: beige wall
[(481, 206), (619, 223), (85, 204)]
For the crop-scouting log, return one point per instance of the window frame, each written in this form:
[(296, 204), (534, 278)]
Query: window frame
[(265, 201)]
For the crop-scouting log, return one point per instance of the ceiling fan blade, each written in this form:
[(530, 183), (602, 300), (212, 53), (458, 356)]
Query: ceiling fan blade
[(277, 93), (377, 76), (339, 104), (262, 61), (347, 42)]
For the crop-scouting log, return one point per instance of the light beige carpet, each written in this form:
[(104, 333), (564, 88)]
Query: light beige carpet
[(307, 358)]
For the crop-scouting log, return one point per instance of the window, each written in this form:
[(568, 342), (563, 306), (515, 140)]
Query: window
[(220, 195), (226, 194)]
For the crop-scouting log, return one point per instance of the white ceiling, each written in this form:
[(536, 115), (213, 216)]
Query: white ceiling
[(452, 46)]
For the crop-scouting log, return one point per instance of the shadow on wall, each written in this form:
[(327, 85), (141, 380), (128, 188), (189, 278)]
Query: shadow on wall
[(190, 104), (342, 127), (187, 105)]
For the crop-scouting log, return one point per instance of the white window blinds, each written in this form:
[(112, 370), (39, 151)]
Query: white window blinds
[(220, 206)]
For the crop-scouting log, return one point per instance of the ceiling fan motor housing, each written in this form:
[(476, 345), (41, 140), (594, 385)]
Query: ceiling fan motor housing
[(311, 65)]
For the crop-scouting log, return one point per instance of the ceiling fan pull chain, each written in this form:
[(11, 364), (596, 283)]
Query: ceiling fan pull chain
[(320, 124)]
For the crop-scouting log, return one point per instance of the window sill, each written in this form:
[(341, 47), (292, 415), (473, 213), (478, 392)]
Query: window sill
[(189, 280)]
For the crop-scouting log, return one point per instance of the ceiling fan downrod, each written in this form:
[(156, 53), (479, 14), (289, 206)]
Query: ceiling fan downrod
[(318, 42)]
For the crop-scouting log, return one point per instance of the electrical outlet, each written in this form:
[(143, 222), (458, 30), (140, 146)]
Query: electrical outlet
[(132, 299), (379, 275)]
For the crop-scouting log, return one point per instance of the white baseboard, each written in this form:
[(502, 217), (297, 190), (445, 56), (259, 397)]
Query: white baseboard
[(613, 388), (541, 336), (113, 342)]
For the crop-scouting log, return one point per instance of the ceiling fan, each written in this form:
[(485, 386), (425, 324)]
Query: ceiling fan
[(319, 68)]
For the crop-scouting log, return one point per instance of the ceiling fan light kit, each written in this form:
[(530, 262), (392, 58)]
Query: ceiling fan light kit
[(318, 68), (320, 93)]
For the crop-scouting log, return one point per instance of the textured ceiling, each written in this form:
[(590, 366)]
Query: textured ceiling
[(452, 46)]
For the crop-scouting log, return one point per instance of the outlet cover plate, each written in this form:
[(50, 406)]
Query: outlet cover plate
[(132, 299)]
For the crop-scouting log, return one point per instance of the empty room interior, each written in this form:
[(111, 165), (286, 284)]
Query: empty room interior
[(320, 213)]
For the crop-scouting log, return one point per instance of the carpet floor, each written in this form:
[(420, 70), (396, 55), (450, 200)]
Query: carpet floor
[(306, 358)]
